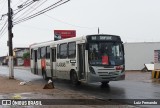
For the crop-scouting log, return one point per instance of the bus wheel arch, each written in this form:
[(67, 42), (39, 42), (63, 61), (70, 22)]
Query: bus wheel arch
[(74, 77)]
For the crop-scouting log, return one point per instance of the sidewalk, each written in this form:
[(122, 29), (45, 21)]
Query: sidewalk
[(13, 86), (22, 67), (10, 89)]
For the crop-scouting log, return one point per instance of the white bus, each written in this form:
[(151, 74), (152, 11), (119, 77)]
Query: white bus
[(91, 58)]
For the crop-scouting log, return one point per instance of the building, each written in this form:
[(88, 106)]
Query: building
[(3, 60), (139, 53), (18, 55)]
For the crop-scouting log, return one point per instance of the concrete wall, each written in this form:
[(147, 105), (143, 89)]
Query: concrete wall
[(140, 53)]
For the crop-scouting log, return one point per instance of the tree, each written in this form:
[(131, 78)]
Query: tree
[(26, 55)]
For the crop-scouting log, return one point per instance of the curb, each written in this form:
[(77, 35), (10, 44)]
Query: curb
[(23, 68)]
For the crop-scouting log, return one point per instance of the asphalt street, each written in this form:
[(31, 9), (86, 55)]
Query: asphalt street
[(138, 85)]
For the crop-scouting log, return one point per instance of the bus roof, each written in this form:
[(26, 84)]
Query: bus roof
[(48, 43), (52, 42)]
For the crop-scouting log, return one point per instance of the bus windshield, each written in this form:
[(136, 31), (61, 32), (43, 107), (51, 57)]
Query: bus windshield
[(106, 53)]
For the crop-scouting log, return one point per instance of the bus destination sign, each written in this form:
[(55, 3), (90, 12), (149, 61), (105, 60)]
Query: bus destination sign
[(103, 38)]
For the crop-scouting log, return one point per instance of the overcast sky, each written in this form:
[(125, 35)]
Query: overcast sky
[(133, 20)]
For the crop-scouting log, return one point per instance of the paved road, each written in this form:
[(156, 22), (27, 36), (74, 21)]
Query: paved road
[(137, 85)]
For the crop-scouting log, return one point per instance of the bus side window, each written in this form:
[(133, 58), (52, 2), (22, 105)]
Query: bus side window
[(71, 50), (39, 53), (63, 51), (43, 52), (57, 51), (53, 55), (47, 52), (31, 55)]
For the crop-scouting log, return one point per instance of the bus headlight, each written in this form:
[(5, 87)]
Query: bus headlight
[(92, 70)]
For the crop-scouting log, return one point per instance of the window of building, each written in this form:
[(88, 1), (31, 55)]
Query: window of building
[(71, 50)]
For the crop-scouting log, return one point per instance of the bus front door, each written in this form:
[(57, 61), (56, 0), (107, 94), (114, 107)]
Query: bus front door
[(35, 62), (81, 59), (53, 61)]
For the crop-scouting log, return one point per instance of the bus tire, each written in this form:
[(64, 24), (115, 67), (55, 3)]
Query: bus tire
[(74, 78), (44, 75), (104, 83)]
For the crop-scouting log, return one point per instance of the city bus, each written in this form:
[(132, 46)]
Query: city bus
[(87, 59)]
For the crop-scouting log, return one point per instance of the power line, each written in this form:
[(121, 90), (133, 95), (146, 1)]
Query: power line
[(26, 5), (61, 20), (69, 23), (19, 2), (19, 5), (42, 11), (3, 29), (3, 26), (28, 11), (39, 13), (4, 32)]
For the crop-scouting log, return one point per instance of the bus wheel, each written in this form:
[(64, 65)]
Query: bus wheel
[(74, 79), (44, 75)]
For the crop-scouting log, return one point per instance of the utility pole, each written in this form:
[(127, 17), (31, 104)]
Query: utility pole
[(9, 43)]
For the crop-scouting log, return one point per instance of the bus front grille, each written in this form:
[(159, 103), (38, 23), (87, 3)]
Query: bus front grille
[(108, 77), (108, 73)]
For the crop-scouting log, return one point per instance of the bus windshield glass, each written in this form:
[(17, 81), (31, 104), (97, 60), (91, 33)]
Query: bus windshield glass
[(106, 53)]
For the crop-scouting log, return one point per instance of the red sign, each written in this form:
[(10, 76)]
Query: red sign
[(63, 34), (105, 60)]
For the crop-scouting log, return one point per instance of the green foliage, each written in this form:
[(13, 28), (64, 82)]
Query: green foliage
[(26, 55)]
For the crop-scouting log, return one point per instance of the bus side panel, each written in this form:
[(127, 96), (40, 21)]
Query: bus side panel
[(54, 69), (48, 68), (64, 67)]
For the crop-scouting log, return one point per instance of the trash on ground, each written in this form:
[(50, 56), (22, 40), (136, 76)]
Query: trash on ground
[(17, 96), (22, 83), (50, 81), (50, 85)]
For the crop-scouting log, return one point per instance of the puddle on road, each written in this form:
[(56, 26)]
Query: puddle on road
[(156, 81), (153, 81), (16, 96), (29, 95)]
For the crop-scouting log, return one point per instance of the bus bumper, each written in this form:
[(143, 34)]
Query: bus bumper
[(95, 78)]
